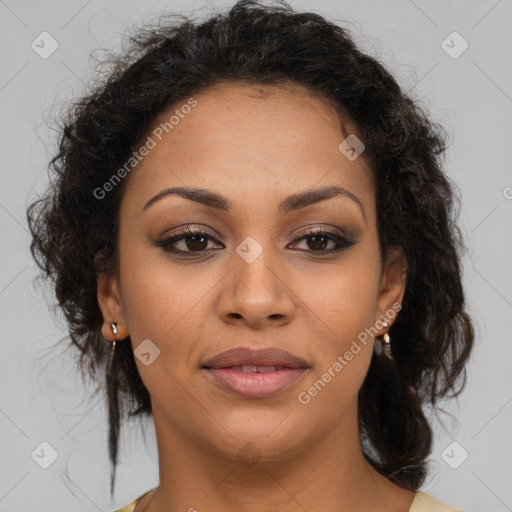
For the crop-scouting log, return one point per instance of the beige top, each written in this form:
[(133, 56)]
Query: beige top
[(422, 502)]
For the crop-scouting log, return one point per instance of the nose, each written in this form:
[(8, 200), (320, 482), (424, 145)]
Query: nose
[(256, 294)]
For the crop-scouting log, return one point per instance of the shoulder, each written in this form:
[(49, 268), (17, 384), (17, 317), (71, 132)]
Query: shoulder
[(423, 502), (131, 506)]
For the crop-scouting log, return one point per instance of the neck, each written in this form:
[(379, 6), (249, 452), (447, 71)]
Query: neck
[(331, 474)]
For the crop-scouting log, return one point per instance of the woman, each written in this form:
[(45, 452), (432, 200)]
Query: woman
[(256, 216)]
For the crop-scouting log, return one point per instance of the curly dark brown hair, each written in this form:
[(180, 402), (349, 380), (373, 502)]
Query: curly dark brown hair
[(75, 233)]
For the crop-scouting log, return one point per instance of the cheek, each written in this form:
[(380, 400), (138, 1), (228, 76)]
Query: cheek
[(341, 300), (342, 307), (160, 296), (164, 302)]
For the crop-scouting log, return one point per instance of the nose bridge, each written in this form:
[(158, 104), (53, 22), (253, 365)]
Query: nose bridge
[(253, 267), (256, 290)]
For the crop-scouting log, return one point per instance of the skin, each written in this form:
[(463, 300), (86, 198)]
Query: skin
[(255, 146)]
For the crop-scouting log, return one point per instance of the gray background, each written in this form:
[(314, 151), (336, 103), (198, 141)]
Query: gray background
[(43, 398)]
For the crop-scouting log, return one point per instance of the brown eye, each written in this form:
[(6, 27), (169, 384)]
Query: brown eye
[(196, 242), (318, 240), (192, 240)]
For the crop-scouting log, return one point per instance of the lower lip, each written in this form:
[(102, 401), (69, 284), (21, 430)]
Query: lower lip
[(254, 384)]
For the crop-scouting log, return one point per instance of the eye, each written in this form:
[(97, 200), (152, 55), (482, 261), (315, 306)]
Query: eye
[(195, 240), (317, 240), (192, 240)]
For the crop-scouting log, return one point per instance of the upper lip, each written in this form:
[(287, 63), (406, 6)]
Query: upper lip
[(242, 356)]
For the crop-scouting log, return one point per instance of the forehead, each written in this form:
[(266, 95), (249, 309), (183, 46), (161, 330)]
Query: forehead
[(244, 140)]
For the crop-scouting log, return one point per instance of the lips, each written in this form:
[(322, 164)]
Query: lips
[(255, 384), (250, 373), (260, 360)]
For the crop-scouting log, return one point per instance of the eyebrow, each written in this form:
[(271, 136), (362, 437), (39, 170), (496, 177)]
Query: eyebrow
[(289, 204)]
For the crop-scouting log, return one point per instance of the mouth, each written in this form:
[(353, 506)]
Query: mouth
[(253, 369), (255, 373), (255, 381), (272, 358)]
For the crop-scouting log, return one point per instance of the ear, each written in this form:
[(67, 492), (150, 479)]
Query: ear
[(109, 301), (392, 286)]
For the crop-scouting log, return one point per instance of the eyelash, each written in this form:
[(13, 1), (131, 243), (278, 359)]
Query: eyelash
[(188, 232)]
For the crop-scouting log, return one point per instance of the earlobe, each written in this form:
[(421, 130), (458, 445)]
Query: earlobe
[(109, 302), (392, 286)]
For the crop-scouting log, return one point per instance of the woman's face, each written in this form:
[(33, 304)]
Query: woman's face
[(253, 281)]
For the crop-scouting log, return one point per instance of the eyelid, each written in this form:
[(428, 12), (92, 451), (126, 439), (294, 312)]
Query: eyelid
[(186, 231), (201, 229), (323, 227)]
